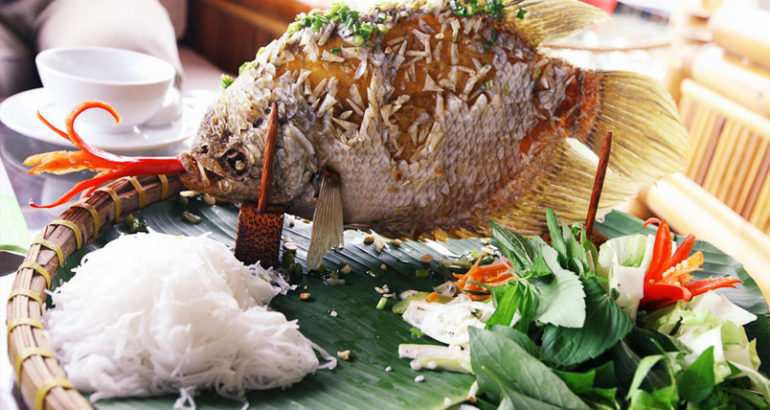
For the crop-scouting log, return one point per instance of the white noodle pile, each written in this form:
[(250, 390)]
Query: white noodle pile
[(153, 313)]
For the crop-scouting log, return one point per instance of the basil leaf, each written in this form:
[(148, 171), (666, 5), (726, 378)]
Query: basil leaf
[(663, 399), (538, 268), (506, 370), (517, 297), (644, 367), (605, 325), (516, 248), (562, 302), (520, 338), (557, 240), (592, 385), (697, 382), (506, 298)]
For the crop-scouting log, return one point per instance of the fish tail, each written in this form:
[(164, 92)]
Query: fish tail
[(562, 181), (649, 142)]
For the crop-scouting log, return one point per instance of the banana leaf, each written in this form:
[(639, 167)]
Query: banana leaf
[(370, 334)]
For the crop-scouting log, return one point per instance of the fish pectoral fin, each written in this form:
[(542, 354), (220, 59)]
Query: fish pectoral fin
[(327, 230), (543, 21)]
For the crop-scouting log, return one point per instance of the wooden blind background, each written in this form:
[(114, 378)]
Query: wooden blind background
[(729, 153)]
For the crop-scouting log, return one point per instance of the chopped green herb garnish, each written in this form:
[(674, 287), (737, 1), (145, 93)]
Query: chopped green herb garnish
[(422, 273), (344, 15), (382, 303), (538, 71), (416, 332), (135, 224), (466, 8), (469, 8), (506, 89), (495, 8), (336, 50), (225, 81), (522, 13), (246, 66)]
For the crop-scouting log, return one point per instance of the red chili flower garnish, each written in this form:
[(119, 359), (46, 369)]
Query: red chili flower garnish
[(668, 278)]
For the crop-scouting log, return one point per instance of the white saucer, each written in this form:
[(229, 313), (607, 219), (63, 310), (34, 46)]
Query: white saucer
[(18, 113)]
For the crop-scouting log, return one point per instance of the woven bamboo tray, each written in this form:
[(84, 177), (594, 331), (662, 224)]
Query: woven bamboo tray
[(40, 378)]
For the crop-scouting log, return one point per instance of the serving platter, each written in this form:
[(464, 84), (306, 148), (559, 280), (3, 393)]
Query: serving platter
[(371, 335)]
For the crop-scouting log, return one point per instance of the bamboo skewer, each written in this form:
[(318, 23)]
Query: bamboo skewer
[(596, 192)]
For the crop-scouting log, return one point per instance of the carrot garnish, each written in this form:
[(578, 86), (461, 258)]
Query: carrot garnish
[(669, 277), (108, 166), (495, 274)]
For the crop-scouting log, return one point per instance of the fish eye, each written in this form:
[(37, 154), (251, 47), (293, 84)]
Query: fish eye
[(236, 162)]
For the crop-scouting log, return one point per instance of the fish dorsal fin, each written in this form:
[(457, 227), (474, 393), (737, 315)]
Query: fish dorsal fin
[(327, 230), (550, 20)]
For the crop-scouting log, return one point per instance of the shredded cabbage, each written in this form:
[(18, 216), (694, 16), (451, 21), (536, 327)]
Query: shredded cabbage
[(624, 261), (709, 320)]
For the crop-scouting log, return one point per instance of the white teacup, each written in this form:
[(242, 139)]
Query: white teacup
[(137, 85)]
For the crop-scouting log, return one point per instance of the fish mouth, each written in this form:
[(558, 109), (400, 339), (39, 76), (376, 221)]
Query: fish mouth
[(202, 173)]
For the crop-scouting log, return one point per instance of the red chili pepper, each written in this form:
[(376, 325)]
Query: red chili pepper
[(701, 286), (109, 166), (668, 278)]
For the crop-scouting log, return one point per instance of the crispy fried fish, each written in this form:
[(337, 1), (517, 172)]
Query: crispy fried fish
[(428, 118)]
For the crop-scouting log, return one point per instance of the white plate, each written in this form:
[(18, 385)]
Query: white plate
[(19, 114)]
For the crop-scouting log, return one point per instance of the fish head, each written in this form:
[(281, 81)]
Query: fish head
[(226, 157)]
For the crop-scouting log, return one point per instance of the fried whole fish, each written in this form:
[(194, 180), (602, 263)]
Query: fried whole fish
[(427, 119)]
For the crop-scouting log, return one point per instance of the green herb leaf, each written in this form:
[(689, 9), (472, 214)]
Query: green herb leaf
[(697, 382), (516, 248), (562, 302), (557, 240), (519, 337), (593, 385), (605, 325), (521, 13), (508, 371), (644, 367), (510, 299)]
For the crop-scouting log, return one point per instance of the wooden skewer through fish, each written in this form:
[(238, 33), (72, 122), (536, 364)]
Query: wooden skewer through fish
[(267, 164), (596, 192), (258, 237)]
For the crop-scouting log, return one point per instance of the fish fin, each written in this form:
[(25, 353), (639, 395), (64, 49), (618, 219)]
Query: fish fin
[(545, 21), (564, 185), (327, 230), (649, 141)]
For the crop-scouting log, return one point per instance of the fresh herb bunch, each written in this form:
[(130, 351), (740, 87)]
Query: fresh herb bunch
[(559, 337)]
